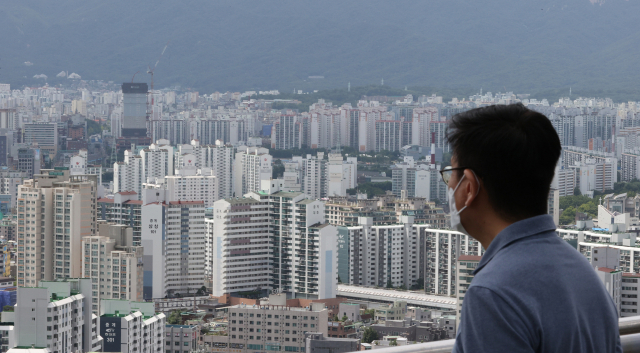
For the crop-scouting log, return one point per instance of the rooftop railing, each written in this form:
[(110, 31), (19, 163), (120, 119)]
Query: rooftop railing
[(629, 328)]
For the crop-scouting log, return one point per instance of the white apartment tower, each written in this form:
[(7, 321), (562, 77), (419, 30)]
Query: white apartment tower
[(341, 174), (241, 250), (53, 217), (188, 184), (219, 158), (127, 175), (173, 238), (153, 162), (286, 247), (464, 274), (251, 166), (113, 264), (55, 317)]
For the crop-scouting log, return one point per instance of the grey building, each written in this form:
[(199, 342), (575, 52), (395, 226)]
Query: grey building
[(44, 134), (134, 121), (315, 342), (29, 161), (181, 338)]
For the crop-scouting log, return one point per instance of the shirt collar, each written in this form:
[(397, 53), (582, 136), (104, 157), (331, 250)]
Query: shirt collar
[(514, 232)]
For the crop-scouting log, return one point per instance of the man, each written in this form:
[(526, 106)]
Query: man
[(532, 292)]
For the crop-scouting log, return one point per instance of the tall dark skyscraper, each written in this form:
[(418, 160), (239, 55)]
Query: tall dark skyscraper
[(134, 122)]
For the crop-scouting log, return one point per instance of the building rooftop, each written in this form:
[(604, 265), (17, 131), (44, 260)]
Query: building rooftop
[(235, 201), (608, 270)]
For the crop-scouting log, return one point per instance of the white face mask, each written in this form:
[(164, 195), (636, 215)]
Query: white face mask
[(454, 214)]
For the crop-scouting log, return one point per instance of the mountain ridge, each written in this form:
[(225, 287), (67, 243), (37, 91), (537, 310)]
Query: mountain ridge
[(238, 45)]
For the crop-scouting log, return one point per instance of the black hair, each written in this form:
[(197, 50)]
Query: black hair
[(513, 151)]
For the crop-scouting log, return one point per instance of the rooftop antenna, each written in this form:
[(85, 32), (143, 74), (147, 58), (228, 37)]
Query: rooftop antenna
[(134, 75)]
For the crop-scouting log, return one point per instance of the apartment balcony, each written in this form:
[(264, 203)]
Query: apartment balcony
[(629, 336)]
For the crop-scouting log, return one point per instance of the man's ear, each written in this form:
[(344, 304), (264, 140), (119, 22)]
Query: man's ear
[(472, 187)]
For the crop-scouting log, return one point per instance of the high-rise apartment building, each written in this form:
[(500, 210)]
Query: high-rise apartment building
[(389, 135), (442, 248), (464, 274), (251, 166), (314, 175), (134, 119), (285, 133), (188, 184), (629, 166), (113, 264), (418, 180), (156, 161), (128, 175), (124, 208), (289, 237), (54, 316), (384, 210), (564, 180), (241, 246), (173, 238), (341, 174), (380, 255), (54, 215), (219, 158)]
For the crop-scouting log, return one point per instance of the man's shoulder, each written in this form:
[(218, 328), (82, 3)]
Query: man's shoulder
[(542, 259)]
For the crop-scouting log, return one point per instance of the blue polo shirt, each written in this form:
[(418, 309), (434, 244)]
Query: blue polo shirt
[(533, 292)]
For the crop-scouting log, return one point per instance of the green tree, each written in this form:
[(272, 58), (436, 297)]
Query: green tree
[(389, 284), (576, 192), (174, 318), (568, 216), (344, 317), (369, 335), (7, 308), (393, 343), (402, 287)]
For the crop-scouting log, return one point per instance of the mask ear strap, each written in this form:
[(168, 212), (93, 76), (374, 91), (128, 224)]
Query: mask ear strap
[(477, 180), (477, 192)]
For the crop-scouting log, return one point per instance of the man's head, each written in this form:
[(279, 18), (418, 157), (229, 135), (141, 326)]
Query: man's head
[(513, 151)]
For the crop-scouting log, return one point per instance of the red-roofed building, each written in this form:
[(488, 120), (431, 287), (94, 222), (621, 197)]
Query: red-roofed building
[(612, 280)]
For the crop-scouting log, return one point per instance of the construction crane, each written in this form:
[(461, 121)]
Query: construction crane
[(134, 76), (150, 71)]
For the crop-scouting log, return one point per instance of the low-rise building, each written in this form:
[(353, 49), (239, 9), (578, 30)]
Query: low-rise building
[(395, 311), (129, 327), (270, 326), (181, 338), (316, 342)]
